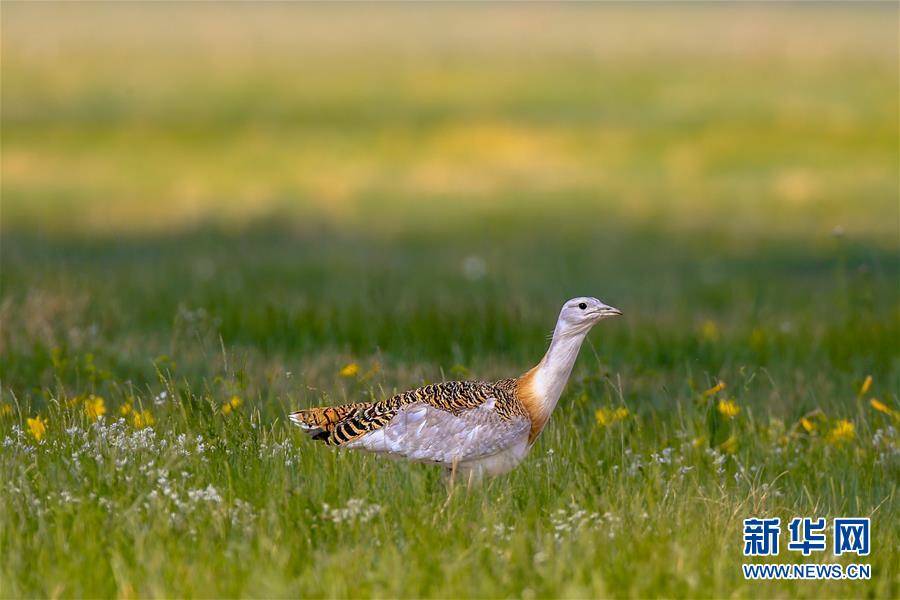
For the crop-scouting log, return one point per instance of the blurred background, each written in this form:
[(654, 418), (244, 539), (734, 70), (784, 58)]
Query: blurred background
[(420, 187)]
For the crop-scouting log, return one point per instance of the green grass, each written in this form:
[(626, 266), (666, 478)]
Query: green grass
[(246, 202)]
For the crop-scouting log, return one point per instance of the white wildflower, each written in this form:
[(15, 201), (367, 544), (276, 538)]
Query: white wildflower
[(356, 511)]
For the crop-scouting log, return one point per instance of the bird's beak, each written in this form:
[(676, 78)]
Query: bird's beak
[(609, 311)]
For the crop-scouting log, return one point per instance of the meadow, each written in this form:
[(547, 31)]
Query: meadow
[(214, 214)]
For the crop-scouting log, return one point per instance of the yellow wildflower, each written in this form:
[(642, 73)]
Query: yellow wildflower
[(698, 441), (882, 407), (729, 408), (142, 418), (349, 370), (232, 405), (94, 407), (37, 426), (757, 338), (5, 409), (843, 431), (866, 385), (609, 416), (808, 425), (730, 445), (714, 389), (709, 330), (126, 409)]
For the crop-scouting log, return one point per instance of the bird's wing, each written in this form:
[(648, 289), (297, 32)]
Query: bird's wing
[(444, 422), (422, 432)]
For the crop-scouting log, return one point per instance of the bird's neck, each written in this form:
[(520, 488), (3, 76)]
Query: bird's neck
[(541, 387)]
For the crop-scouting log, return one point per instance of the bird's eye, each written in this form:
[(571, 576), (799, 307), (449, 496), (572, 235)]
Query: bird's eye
[(582, 306)]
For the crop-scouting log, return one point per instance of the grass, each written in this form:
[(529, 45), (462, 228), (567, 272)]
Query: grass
[(242, 204)]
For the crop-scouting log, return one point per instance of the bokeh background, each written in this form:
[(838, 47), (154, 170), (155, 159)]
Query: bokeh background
[(298, 204), (745, 120), (310, 180)]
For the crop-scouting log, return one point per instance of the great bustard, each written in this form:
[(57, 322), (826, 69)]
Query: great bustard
[(471, 427)]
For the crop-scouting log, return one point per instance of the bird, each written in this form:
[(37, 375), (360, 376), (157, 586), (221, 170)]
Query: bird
[(472, 429)]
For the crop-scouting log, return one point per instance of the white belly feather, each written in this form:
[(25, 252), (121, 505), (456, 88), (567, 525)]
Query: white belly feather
[(476, 439)]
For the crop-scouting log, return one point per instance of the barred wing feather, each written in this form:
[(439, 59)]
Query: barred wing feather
[(445, 423)]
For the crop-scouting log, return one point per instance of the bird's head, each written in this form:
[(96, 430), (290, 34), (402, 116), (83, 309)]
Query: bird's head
[(578, 315)]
